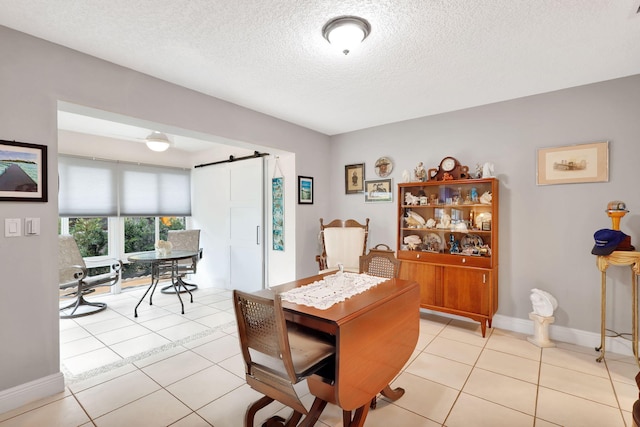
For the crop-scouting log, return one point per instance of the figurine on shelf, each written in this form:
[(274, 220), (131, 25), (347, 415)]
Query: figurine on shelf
[(410, 199), (445, 221), (420, 172), (447, 177), (487, 170), (405, 176), (486, 198), (478, 171), (431, 223), (474, 195), (455, 245)]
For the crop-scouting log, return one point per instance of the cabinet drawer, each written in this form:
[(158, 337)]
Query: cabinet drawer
[(446, 259)]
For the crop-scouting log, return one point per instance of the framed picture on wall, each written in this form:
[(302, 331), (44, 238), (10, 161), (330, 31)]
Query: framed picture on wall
[(378, 190), (305, 190), (23, 172), (354, 178), (573, 164)]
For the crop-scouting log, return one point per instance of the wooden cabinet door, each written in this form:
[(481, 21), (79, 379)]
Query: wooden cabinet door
[(428, 276), (467, 290)]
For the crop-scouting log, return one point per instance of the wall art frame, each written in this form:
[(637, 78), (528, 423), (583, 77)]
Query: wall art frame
[(305, 190), (23, 172), (378, 190), (354, 178), (277, 213), (572, 164)]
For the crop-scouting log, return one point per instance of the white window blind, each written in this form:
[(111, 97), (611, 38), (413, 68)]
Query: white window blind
[(154, 191), (104, 188), (87, 187)]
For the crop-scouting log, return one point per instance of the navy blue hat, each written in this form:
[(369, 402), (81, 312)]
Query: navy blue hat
[(607, 241)]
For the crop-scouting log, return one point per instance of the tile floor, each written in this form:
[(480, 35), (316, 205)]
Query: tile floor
[(164, 368)]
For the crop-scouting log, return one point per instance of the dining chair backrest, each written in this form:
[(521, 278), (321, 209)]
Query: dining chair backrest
[(186, 240), (380, 262), (266, 341)]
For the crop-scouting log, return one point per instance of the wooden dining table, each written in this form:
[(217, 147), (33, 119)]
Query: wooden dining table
[(375, 333)]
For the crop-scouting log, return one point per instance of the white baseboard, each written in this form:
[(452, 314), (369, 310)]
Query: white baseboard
[(556, 333), (22, 394)]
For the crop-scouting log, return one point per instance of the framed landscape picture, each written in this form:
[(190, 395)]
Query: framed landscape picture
[(23, 172), (305, 190), (573, 164)]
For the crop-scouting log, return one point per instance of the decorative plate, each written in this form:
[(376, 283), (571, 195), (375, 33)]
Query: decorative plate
[(384, 166), (471, 240), (432, 242)]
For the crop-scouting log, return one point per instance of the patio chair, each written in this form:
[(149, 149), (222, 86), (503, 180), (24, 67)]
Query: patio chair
[(72, 272), (277, 355), (343, 242), (184, 240)]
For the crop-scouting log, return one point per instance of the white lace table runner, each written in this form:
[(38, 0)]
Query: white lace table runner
[(331, 289)]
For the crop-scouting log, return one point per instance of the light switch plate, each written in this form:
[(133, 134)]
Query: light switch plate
[(12, 227)]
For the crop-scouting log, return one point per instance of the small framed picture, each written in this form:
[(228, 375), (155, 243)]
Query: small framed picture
[(23, 172), (354, 178), (378, 190), (305, 190), (486, 226)]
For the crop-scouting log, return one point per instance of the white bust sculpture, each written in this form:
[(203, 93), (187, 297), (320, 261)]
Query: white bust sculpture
[(487, 170), (544, 304)]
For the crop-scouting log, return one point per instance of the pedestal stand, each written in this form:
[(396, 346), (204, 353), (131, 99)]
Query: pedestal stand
[(541, 330)]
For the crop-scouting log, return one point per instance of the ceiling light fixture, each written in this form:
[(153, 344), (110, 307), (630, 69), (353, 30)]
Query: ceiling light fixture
[(345, 32), (157, 141)]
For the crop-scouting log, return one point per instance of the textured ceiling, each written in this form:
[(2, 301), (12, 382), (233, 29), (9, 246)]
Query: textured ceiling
[(422, 57)]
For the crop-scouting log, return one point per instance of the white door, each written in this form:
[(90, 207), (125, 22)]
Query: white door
[(246, 229)]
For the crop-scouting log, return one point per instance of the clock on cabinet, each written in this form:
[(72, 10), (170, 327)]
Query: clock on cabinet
[(450, 168)]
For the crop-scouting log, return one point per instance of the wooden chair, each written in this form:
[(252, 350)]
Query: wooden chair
[(277, 355), (73, 274), (343, 242), (380, 262)]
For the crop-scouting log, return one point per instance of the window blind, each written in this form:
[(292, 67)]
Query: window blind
[(91, 187)]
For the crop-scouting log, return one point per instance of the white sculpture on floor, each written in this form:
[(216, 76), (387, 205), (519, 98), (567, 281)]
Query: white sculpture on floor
[(544, 304)]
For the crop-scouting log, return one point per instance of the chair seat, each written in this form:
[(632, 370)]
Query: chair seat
[(307, 353)]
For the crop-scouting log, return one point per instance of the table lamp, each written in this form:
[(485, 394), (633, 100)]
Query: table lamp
[(616, 210)]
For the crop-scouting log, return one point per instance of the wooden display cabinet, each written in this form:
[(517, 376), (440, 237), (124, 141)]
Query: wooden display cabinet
[(448, 243)]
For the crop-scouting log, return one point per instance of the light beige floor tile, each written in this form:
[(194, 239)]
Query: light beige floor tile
[(164, 321), (423, 341), (122, 334), (107, 325), (622, 371), (146, 313), (628, 418), (65, 412), (454, 350), (542, 423), (141, 344), (425, 398), (235, 365), (80, 346), (182, 331), (627, 394), (191, 420), (571, 411), (90, 360), (386, 414), (473, 411), (220, 349), (175, 368), (66, 324), (110, 395), (195, 312), (441, 370), (34, 405), (510, 365), (229, 410), (105, 316), (514, 344), (70, 334), (224, 304), (506, 391), (156, 409), (432, 323), (576, 361), (205, 386), (578, 384), (465, 331), (217, 319), (577, 348)]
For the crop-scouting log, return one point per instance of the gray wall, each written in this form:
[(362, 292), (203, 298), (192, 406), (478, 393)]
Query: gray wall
[(546, 232), (34, 75)]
